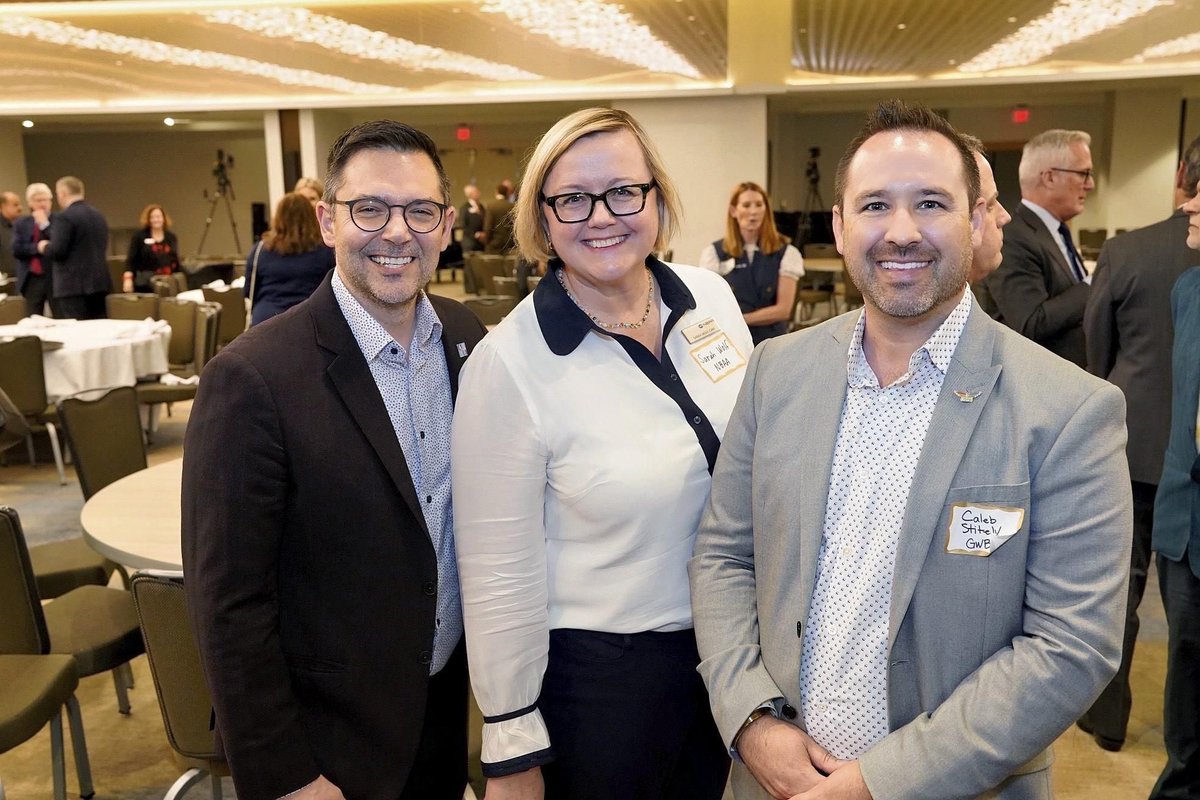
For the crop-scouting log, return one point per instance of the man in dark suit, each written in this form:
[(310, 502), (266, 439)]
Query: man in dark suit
[(497, 222), (317, 528), (472, 220), (78, 246), (1041, 287), (34, 268), (10, 209), (1129, 336), (1177, 539)]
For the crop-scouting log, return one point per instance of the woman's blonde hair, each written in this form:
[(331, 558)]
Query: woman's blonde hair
[(529, 225), (769, 238)]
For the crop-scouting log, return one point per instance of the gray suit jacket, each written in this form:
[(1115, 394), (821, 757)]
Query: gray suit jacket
[(1129, 332), (990, 658), (1035, 292)]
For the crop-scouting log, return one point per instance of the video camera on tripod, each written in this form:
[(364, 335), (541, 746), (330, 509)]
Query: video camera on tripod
[(224, 191), (812, 171), (220, 171)]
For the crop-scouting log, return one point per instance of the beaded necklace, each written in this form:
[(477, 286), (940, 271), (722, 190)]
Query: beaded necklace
[(611, 326)]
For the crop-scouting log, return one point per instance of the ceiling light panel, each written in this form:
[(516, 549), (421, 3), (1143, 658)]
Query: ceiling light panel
[(595, 27), (1183, 46), (330, 33)]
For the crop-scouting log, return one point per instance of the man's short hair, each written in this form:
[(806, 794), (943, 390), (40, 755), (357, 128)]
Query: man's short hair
[(896, 115), (1191, 167), (71, 185), (1048, 149), (34, 189), (974, 144), (380, 134)]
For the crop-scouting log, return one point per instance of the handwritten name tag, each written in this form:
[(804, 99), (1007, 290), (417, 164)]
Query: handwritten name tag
[(718, 357), (978, 530)]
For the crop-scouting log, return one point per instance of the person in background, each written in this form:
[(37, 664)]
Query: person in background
[(78, 246), (289, 263), (760, 265), (1176, 538), (154, 250), (497, 222), (10, 209), (586, 426), (310, 188), (34, 281), (986, 256), (470, 216)]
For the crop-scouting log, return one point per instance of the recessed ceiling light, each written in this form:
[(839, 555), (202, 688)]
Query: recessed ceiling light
[(169, 122), (26, 123), (1012, 19), (901, 26)]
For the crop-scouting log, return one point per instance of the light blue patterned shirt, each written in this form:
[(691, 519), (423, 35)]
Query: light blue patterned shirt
[(415, 387)]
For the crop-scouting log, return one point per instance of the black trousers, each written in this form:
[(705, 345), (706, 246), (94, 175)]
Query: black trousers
[(440, 769), (81, 306), (1109, 715), (1180, 587), (36, 294), (628, 718)]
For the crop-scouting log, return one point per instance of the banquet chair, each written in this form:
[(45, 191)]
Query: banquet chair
[(821, 250), (183, 695), (208, 322), (804, 307), (164, 285), (233, 313), (132, 306), (492, 309), (37, 684), (23, 376), (851, 294), (505, 286), (181, 315), (105, 435), (12, 309)]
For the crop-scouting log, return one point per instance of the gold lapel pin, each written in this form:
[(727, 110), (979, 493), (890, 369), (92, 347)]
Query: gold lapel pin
[(966, 397)]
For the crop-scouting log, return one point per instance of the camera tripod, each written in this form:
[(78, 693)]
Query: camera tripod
[(224, 192)]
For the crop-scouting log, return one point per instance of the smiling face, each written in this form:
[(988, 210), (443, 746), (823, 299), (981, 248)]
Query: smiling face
[(906, 230), (603, 249), (987, 257), (748, 211), (1192, 209), (156, 219), (386, 269)]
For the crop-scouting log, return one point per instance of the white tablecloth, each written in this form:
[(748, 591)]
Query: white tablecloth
[(98, 353)]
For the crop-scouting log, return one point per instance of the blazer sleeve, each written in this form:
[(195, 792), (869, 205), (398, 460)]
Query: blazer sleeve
[(1020, 292), (1076, 580), (235, 485), (61, 234), (23, 245), (1100, 319), (722, 576)]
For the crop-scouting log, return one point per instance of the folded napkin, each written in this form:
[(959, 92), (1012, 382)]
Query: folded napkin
[(237, 283), (175, 380), (217, 284), (37, 321), (147, 327)]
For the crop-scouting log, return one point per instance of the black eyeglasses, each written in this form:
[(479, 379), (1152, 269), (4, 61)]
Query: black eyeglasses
[(1086, 174), (621, 201), (370, 214)]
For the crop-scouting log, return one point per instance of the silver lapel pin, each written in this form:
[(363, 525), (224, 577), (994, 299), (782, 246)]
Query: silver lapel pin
[(966, 397)]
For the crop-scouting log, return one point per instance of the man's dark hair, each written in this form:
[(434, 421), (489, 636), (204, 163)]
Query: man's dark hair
[(1191, 167), (896, 115), (380, 134)]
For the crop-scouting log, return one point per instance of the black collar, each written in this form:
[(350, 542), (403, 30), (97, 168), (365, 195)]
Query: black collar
[(564, 324)]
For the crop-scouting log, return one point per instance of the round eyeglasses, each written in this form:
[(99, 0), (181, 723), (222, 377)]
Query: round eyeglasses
[(621, 201), (370, 214)]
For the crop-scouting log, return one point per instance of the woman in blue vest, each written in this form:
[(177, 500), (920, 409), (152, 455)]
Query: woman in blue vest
[(759, 264)]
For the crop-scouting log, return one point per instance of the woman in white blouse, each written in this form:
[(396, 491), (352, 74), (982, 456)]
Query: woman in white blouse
[(760, 265), (585, 430)]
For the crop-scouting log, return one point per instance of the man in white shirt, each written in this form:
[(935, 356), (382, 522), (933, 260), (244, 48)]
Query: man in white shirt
[(1041, 287), (909, 582)]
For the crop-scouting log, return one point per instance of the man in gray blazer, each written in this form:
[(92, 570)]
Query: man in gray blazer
[(1128, 329), (1177, 539), (911, 575)]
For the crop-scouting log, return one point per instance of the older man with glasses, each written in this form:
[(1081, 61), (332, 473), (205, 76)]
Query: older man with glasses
[(1041, 287)]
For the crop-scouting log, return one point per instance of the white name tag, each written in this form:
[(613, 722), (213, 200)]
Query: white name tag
[(718, 357), (701, 330), (978, 530)]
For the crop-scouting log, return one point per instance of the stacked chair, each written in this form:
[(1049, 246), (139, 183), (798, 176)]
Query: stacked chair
[(233, 313), (132, 306), (185, 319)]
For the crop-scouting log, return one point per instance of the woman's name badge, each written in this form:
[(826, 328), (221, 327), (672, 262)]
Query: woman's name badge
[(978, 530), (718, 357), (148, 240), (701, 330)]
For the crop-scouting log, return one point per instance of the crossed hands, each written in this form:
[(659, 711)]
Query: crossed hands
[(791, 766)]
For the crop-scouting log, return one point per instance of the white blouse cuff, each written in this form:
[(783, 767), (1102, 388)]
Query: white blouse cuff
[(515, 745)]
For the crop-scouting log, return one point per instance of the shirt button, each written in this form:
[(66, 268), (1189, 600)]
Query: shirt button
[(428, 498), (426, 657), (847, 551), (696, 420), (422, 434), (395, 352), (674, 377), (430, 588)]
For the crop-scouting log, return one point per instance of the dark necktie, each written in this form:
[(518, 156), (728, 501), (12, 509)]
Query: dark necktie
[(1072, 253)]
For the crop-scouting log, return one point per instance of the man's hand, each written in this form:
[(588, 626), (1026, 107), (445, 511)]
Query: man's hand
[(784, 759), (42, 245), (525, 785), (844, 783), (320, 789), (40, 217)]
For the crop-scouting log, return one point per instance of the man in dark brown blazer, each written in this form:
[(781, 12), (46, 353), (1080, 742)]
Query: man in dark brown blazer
[(317, 531), (1129, 337)]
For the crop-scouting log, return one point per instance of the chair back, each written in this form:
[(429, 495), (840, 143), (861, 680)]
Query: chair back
[(851, 293), (105, 435), (181, 281), (505, 286), (181, 316), (183, 695), (12, 309), (22, 623), (117, 266), (22, 373), (164, 285), (132, 306), (233, 313), (821, 250), (490, 310), (208, 322)]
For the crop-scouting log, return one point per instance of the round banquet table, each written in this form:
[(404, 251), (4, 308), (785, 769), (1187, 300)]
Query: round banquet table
[(97, 353), (136, 520)]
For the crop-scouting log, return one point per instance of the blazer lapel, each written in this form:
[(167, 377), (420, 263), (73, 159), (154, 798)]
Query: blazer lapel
[(352, 379), (1049, 241), (971, 375)]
